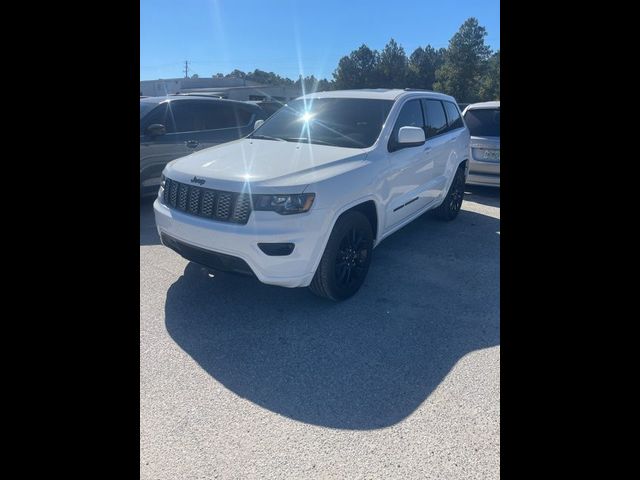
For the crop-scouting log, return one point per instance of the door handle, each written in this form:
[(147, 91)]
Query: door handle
[(192, 143)]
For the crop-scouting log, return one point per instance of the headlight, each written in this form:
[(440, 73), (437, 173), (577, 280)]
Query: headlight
[(284, 204)]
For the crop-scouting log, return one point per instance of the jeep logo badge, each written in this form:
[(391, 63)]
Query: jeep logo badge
[(197, 180)]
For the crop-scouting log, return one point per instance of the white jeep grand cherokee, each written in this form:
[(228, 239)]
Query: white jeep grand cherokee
[(304, 199)]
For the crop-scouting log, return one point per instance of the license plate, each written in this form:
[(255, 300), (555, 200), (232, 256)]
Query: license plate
[(492, 154)]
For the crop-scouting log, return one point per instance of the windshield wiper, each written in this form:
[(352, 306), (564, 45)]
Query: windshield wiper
[(305, 139), (267, 137)]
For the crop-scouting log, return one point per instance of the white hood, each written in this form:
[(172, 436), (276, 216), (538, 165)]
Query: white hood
[(266, 165)]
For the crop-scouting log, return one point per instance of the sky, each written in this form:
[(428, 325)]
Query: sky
[(292, 37)]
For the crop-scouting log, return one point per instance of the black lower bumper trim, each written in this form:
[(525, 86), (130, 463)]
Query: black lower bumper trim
[(276, 249), (214, 260)]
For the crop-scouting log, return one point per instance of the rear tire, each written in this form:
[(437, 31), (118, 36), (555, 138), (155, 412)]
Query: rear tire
[(450, 207), (346, 258)]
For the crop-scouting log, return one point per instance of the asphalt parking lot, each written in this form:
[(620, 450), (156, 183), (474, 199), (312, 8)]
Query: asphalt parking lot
[(244, 380)]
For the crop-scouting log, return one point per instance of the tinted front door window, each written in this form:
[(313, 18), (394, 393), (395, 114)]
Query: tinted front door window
[(410, 116), (158, 115)]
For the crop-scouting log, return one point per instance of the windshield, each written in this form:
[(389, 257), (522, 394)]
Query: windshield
[(483, 122), (146, 107), (338, 122)]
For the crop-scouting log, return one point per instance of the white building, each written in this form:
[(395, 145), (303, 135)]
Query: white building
[(231, 88)]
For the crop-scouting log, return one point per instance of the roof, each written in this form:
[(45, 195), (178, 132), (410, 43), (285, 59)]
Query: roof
[(238, 87), (181, 98), (474, 106), (379, 93), (203, 94), (264, 102)]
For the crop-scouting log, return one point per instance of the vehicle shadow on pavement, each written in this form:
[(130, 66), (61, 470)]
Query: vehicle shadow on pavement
[(431, 296), (148, 232), (489, 196)]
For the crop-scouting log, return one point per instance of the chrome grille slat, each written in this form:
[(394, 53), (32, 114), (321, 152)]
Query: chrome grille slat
[(208, 203)]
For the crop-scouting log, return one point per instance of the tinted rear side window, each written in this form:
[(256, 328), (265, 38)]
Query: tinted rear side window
[(270, 109), (436, 119), (453, 116), (188, 116), (242, 116), (483, 122)]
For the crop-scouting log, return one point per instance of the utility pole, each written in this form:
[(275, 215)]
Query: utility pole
[(186, 69)]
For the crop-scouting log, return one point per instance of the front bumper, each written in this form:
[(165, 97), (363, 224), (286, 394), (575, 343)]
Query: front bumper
[(217, 261), (308, 231)]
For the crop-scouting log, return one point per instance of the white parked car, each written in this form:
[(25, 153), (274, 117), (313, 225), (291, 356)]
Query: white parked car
[(483, 120), (304, 199)]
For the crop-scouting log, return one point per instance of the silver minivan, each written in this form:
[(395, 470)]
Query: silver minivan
[(483, 120), (175, 126)]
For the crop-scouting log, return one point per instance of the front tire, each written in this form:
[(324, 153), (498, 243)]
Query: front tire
[(346, 259), (450, 207)]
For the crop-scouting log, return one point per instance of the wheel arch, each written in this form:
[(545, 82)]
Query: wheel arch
[(370, 207), (465, 164)]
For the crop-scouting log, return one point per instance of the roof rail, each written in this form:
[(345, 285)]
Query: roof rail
[(417, 90), (190, 94)]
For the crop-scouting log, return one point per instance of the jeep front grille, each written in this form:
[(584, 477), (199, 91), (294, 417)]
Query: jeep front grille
[(207, 203)]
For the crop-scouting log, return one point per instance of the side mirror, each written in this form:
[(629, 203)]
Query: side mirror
[(411, 136), (156, 130), (258, 124)]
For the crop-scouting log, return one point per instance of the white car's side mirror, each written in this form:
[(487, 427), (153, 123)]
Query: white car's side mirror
[(411, 136), (258, 124)]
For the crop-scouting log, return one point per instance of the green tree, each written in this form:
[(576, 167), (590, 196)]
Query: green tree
[(311, 84), (260, 76), (423, 64), (357, 70), (325, 85), (236, 74), (465, 63), (393, 66), (265, 78), (490, 83), (307, 84)]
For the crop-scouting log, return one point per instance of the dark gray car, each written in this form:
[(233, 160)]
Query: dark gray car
[(173, 127)]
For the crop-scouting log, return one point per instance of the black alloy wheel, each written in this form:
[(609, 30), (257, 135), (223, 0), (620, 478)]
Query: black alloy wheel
[(346, 258), (450, 207)]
